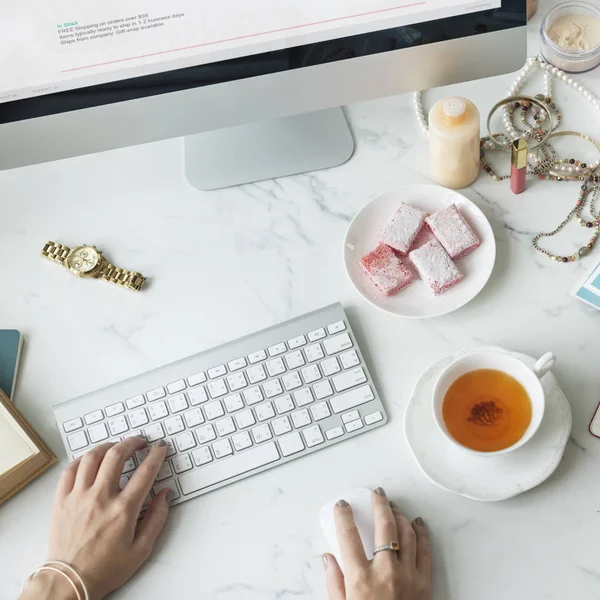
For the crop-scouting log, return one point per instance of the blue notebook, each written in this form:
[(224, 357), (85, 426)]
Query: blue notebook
[(588, 290), (11, 342)]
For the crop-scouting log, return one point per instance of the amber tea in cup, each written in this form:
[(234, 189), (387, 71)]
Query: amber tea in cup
[(486, 410)]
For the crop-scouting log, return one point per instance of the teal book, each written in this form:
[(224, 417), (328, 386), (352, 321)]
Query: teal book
[(11, 343)]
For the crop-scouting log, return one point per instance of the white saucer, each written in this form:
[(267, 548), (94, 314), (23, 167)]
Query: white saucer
[(416, 301), (478, 477)]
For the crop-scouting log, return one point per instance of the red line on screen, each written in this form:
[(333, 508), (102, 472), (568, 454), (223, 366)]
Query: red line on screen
[(250, 35)]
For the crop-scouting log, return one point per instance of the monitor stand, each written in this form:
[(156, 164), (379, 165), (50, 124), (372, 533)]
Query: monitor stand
[(259, 151)]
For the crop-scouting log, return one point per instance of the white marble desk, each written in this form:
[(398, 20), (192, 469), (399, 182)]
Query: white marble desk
[(227, 263)]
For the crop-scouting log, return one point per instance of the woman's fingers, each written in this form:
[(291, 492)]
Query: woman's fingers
[(384, 521), (152, 523), (67, 479), (423, 547), (406, 537), (142, 480), (89, 465), (114, 460), (351, 546), (334, 578)]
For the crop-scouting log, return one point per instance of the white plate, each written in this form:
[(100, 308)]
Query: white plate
[(416, 301), (486, 478)]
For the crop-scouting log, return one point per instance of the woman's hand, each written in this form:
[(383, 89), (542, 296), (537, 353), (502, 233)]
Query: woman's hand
[(95, 526), (403, 575)]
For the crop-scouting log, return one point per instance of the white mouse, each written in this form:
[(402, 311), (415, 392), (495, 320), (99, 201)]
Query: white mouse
[(360, 500)]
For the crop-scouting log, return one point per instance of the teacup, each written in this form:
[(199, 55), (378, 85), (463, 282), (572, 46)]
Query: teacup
[(498, 360)]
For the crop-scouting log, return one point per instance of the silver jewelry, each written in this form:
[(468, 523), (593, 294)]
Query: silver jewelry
[(391, 547)]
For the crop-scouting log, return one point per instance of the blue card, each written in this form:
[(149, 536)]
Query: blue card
[(588, 290), (11, 342)]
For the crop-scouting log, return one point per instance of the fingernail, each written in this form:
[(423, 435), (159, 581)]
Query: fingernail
[(380, 491), (325, 560), (342, 503), (161, 443), (419, 522), (170, 496), (393, 504)]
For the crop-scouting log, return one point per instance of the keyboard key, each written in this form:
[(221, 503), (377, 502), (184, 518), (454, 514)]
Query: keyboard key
[(316, 335), (197, 396), (118, 425), (300, 418), (313, 436), (336, 432), (72, 425), (206, 433), (159, 487), (233, 403), (170, 447), (154, 432), (237, 364), (303, 397), (135, 402), (158, 410), (351, 416), (241, 441), (196, 379), (337, 344), (185, 441), (164, 472), (311, 373), (114, 409), (129, 465), (98, 433), (291, 381), (245, 419), (294, 360), (262, 433), (156, 394), (194, 417), (214, 410), (281, 425), (284, 404), (351, 399), (353, 426), (349, 359), (176, 386), (133, 433), (336, 327), (217, 371), (330, 366), (291, 444), (264, 412), (182, 463), (174, 425), (277, 349), (314, 352), (272, 388), (216, 389), (323, 390), (178, 403), (256, 374), (138, 417), (237, 381), (257, 357), (275, 367), (243, 462), (253, 396), (225, 426), (202, 456), (297, 342), (320, 411), (373, 418), (77, 441), (123, 481), (349, 379), (94, 417), (222, 448)]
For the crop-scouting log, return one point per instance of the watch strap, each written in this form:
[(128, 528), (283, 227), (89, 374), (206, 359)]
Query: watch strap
[(56, 252), (130, 279)]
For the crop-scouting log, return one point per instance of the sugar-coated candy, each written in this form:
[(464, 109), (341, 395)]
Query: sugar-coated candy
[(402, 229), (435, 267), (453, 232), (386, 270)]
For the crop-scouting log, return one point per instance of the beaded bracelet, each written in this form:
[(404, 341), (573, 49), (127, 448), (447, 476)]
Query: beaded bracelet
[(46, 567)]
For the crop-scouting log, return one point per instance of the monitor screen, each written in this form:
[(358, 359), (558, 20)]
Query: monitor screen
[(60, 55)]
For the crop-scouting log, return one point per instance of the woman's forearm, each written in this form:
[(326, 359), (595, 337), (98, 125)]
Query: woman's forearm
[(47, 585)]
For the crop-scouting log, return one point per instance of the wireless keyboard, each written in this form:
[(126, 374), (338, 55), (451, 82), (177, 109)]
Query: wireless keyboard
[(238, 409)]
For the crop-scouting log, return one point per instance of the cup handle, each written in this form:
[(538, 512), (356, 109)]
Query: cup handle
[(543, 365)]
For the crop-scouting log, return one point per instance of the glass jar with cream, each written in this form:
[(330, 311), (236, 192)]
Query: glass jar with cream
[(571, 37)]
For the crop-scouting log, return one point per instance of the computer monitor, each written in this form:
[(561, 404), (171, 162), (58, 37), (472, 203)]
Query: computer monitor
[(255, 87)]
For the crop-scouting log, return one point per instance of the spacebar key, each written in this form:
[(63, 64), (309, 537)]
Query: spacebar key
[(228, 468)]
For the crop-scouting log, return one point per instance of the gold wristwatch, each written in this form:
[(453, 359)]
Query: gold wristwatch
[(88, 262)]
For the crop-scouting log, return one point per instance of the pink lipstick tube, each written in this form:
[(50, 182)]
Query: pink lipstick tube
[(518, 167)]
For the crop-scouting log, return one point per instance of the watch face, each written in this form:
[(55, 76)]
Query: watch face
[(83, 260)]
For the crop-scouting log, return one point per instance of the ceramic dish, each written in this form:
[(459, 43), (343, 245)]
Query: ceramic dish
[(416, 301), (487, 479)]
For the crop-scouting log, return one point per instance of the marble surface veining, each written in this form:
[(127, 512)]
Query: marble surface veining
[(227, 263)]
